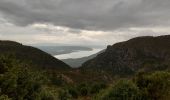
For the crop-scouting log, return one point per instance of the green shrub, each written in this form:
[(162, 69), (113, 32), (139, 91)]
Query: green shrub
[(122, 90), (84, 91), (73, 92), (97, 87), (64, 95), (155, 86), (4, 97), (19, 82)]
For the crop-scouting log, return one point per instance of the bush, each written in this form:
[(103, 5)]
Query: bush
[(84, 91), (64, 95), (122, 90), (73, 92), (155, 86), (19, 82), (95, 88), (4, 97)]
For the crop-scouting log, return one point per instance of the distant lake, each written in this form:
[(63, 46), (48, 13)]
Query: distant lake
[(78, 54)]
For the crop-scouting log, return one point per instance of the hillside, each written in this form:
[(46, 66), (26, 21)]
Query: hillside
[(141, 53), (19, 80), (31, 55)]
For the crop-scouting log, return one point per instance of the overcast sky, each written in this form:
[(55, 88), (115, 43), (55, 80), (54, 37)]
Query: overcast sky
[(82, 22)]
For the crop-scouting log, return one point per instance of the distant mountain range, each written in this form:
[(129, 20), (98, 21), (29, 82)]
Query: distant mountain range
[(141, 53), (128, 57), (75, 63), (57, 50), (30, 54)]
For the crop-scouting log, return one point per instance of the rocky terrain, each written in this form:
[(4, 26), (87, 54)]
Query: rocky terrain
[(141, 53)]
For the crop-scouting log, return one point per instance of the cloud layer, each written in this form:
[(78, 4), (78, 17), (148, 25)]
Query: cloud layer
[(79, 21), (87, 14)]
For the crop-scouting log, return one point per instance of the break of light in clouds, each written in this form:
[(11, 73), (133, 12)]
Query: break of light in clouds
[(81, 22)]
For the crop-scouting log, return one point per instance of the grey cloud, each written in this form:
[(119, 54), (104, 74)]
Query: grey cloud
[(88, 14)]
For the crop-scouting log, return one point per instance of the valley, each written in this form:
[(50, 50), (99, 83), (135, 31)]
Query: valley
[(135, 64), (84, 50)]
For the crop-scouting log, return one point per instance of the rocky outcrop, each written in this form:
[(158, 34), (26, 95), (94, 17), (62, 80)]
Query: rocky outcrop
[(141, 53)]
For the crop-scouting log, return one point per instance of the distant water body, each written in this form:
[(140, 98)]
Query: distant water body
[(78, 54)]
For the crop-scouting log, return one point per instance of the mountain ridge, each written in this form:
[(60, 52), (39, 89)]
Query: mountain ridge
[(133, 55), (36, 56)]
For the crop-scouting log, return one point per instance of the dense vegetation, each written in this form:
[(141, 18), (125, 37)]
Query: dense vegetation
[(31, 55), (19, 82), (22, 80), (144, 86)]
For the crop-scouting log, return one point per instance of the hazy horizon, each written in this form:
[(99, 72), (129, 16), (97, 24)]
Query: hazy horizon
[(82, 22)]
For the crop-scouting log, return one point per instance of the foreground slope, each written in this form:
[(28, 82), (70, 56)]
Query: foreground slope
[(141, 53), (31, 54)]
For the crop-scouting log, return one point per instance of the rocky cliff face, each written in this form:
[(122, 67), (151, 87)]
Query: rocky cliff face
[(141, 53)]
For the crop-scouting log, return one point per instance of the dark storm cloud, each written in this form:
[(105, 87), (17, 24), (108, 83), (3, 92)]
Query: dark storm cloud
[(88, 14)]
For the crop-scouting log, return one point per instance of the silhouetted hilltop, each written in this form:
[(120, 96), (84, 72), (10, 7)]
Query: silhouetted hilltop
[(30, 54)]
